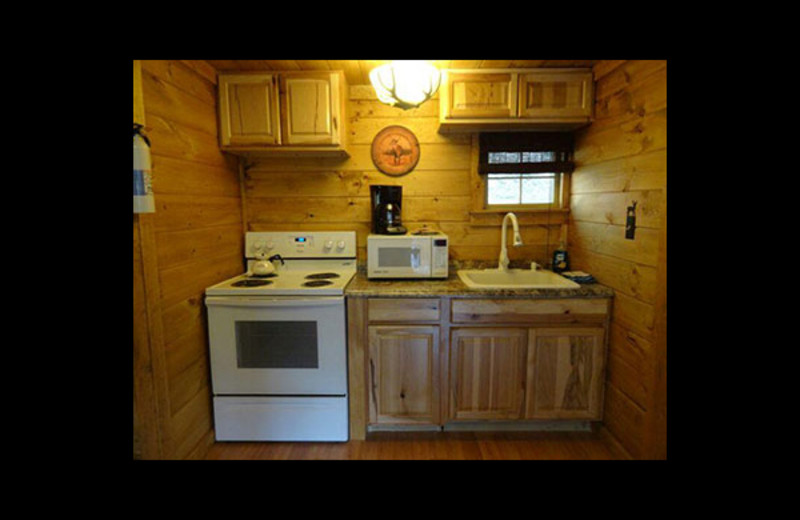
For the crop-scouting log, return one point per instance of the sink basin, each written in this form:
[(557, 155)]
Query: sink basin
[(514, 279)]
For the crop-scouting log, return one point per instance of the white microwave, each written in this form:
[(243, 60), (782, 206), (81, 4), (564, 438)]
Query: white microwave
[(407, 256)]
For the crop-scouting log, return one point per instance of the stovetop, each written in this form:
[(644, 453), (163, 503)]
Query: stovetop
[(285, 283), (314, 263)]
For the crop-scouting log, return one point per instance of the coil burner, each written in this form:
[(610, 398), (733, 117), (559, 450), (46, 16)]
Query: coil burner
[(249, 282), (317, 283), (322, 276)]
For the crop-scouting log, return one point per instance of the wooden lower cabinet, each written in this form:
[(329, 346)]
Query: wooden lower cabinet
[(403, 378), (565, 374), (487, 373), (430, 361)]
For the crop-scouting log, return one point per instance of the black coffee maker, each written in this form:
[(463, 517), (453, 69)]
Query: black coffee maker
[(386, 203)]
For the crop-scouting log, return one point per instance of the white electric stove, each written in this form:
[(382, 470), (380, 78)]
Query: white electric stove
[(277, 341)]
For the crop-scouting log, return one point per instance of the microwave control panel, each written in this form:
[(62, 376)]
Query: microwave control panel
[(439, 260)]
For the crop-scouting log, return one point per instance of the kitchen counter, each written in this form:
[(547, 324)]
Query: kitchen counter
[(362, 287)]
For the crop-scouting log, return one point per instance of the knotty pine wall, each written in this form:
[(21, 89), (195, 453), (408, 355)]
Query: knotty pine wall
[(193, 240), (333, 194), (620, 158)]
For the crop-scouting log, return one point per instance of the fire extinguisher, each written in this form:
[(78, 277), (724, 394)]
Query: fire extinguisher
[(142, 188)]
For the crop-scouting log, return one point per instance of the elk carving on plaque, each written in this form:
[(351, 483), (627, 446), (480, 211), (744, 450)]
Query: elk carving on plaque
[(395, 150)]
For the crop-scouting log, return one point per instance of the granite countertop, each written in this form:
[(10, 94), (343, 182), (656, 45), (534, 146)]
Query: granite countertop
[(361, 287)]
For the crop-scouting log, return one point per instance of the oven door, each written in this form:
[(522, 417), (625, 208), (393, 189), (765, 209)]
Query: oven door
[(277, 345), (406, 257)]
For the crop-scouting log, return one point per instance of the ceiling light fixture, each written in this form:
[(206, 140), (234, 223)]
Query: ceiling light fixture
[(405, 83)]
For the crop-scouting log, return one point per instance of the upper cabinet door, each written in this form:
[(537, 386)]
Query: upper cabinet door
[(480, 95), (248, 109), (547, 94), (311, 108)]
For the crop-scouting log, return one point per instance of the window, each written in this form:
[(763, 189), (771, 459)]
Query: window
[(525, 170)]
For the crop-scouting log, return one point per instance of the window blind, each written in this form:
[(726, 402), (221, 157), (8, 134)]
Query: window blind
[(526, 152)]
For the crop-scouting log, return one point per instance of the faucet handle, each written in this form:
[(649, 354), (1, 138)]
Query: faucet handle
[(535, 266)]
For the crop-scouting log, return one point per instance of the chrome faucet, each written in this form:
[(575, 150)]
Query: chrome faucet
[(503, 261)]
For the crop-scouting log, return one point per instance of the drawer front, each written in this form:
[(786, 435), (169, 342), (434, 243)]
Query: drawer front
[(558, 311), (404, 309)]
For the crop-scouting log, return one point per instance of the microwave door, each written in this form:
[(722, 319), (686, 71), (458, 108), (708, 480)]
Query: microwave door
[(394, 258)]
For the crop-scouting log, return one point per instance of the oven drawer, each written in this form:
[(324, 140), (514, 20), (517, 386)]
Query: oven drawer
[(404, 309), (280, 418), (549, 311)]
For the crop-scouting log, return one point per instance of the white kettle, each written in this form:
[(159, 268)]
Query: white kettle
[(263, 266)]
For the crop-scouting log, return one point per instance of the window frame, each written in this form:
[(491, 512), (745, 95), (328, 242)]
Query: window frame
[(562, 143)]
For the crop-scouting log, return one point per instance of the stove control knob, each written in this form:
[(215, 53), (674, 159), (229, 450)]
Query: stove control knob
[(258, 246), (328, 244), (270, 245), (340, 244)]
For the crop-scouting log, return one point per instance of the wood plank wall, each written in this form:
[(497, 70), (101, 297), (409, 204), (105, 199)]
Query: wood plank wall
[(620, 158), (193, 240), (332, 194)]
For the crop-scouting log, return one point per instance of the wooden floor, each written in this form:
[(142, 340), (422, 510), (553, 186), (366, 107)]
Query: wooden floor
[(432, 446)]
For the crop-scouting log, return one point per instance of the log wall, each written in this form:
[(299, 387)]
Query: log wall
[(620, 158), (193, 240)]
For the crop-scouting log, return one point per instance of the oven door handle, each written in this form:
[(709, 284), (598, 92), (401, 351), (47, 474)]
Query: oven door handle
[(239, 301)]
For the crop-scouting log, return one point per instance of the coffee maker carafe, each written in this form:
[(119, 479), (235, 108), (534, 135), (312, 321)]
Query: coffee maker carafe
[(386, 204)]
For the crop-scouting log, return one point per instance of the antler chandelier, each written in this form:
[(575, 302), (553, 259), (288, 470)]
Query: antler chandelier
[(405, 83)]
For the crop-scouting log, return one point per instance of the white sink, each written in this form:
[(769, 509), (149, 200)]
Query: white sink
[(514, 279)]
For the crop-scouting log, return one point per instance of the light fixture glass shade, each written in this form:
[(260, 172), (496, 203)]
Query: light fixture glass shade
[(405, 83)]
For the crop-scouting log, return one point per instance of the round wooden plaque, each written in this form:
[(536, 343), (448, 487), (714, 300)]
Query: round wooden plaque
[(395, 150)]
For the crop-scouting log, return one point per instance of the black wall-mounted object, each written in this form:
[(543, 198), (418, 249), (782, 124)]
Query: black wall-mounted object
[(630, 222)]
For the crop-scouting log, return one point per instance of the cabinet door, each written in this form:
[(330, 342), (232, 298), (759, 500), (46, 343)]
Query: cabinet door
[(248, 110), (310, 105), (480, 95), (487, 373), (565, 373), (403, 381), (544, 94)]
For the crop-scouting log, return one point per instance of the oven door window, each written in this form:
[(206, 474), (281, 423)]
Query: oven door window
[(277, 344)]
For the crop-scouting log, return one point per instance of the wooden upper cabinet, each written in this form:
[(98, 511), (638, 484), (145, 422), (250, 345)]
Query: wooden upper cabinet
[(283, 113), (310, 108), (471, 95), (248, 110), (515, 99), (556, 94), (566, 369)]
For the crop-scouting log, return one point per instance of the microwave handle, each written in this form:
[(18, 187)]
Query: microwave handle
[(239, 301), (415, 257)]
